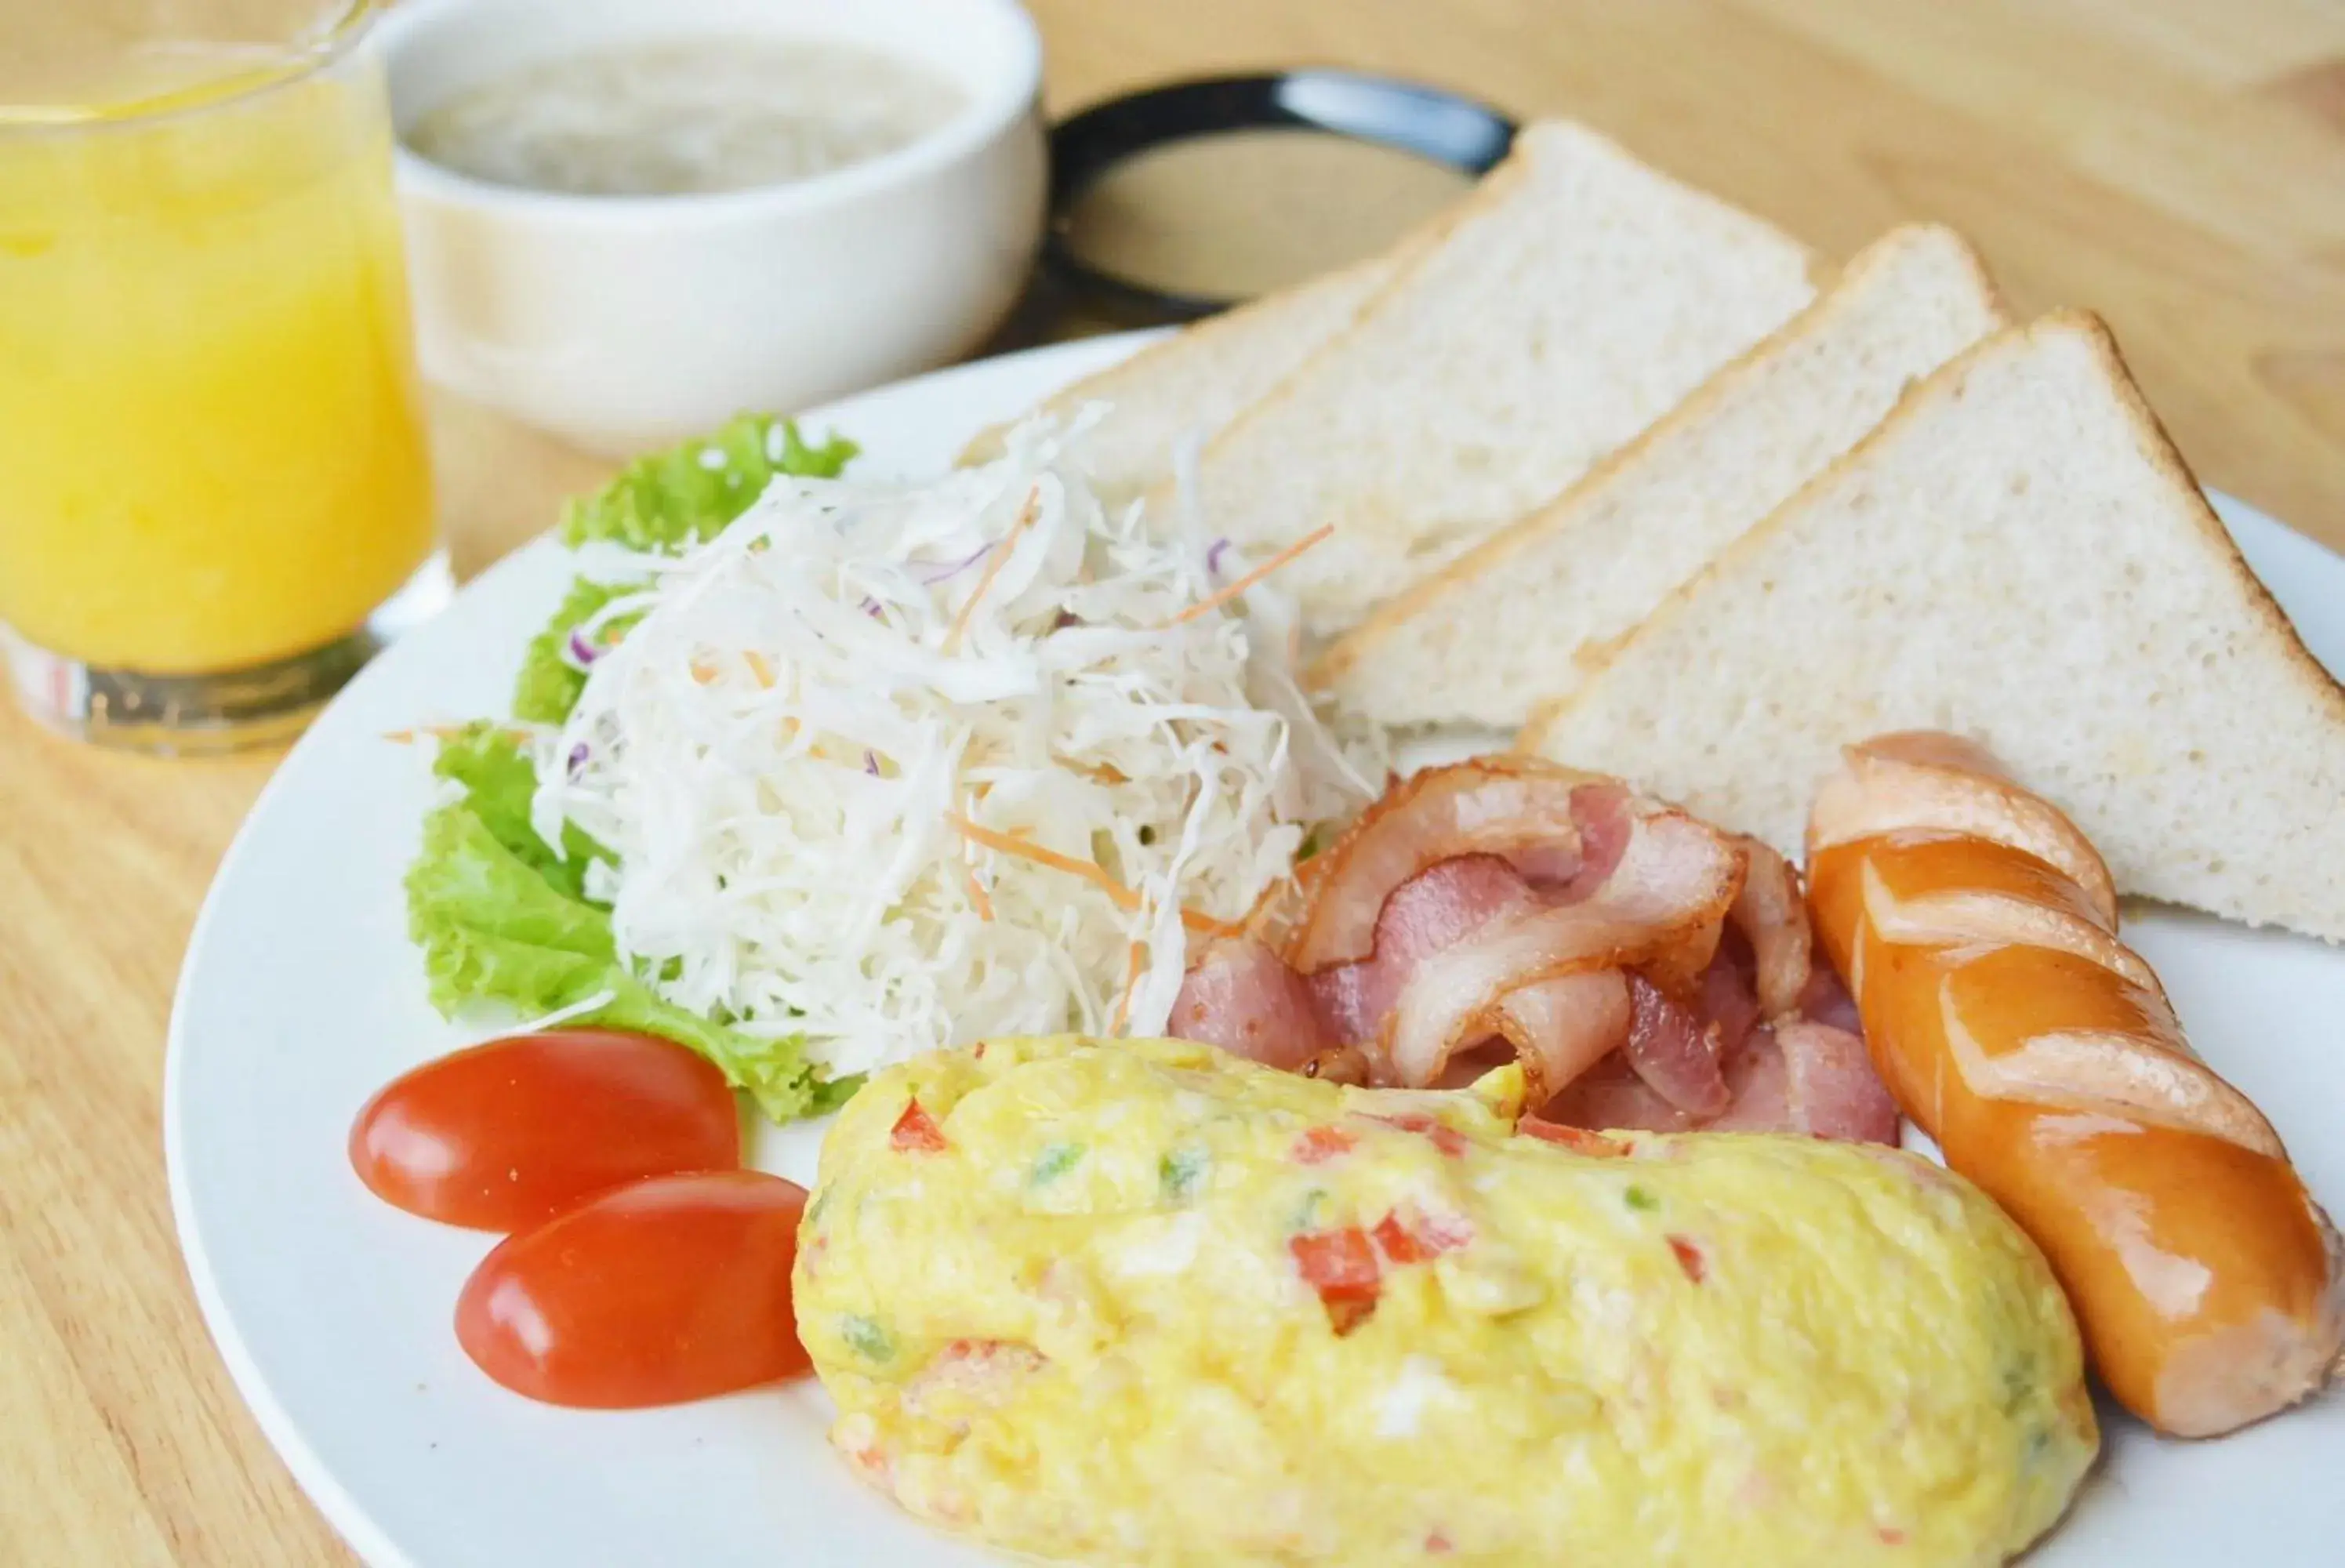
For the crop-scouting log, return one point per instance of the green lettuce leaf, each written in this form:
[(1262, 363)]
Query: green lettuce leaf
[(676, 498), (494, 928), (549, 685), (501, 920), (499, 781)]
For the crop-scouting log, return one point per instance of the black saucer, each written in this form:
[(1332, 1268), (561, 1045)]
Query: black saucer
[(1410, 117)]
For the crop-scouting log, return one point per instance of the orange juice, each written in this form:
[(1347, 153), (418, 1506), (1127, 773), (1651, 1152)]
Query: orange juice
[(211, 451)]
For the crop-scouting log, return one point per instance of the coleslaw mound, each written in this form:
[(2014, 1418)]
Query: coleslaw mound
[(884, 767)]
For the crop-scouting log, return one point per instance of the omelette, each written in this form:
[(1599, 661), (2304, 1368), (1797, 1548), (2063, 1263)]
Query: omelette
[(1144, 1302)]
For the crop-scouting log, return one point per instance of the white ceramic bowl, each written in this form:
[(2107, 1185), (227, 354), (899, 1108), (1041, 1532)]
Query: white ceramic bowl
[(625, 321)]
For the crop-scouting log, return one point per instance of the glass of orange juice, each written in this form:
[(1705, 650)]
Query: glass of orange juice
[(215, 500)]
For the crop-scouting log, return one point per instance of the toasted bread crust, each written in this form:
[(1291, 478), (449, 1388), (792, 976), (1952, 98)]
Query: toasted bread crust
[(2158, 447)]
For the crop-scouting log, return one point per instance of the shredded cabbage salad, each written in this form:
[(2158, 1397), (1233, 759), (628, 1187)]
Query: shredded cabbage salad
[(884, 767)]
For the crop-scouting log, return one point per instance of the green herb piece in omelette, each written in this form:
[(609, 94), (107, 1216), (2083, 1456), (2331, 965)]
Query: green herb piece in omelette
[(1055, 1160), (1180, 1173), (867, 1338)]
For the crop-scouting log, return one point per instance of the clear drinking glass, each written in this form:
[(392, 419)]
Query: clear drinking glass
[(215, 498)]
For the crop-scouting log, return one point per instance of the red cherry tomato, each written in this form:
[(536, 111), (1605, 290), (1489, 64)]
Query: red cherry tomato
[(671, 1289), (509, 1133)]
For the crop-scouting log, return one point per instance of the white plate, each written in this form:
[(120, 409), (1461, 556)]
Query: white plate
[(300, 997)]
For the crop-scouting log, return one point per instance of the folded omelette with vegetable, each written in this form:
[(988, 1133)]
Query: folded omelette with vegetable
[(1140, 1302)]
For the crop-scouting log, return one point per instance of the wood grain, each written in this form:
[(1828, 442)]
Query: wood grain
[(2178, 167)]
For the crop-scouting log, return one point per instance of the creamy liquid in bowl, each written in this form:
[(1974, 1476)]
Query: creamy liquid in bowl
[(680, 117), (1241, 213)]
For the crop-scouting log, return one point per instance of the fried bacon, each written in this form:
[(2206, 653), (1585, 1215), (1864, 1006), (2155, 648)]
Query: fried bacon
[(1645, 970), (1773, 918), (1516, 808)]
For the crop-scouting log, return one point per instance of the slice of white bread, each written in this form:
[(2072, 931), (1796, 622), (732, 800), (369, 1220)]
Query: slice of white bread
[(1499, 631), (1198, 379), (1571, 300), (2018, 555)]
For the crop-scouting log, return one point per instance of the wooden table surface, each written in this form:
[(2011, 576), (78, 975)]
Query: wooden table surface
[(2178, 166)]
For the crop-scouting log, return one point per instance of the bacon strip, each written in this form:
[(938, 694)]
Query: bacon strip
[(1793, 1077), (1504, 806), (1622, 952), (1827, 1001), (1605, 812), (1612, 1096), (1727, 1000), (1561, 1028), (1433, 910), (1667, 895), (1759, 1089), (1240, 996), (1770, 912), (1833, 1091), (1673, 1052)]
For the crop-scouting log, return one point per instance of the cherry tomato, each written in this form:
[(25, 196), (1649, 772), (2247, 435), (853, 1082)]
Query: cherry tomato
[(673, 1288), (510, 1133)]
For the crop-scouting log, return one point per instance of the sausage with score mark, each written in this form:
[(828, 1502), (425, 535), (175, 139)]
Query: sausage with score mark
[(1977, 929)]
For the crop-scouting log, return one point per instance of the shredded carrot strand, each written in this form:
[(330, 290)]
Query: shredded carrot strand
[(1204, 925), (1124, 897), (1098, 773), (1001, 554), (1223, 595), (1133, 958), (977, 894), (1002, 843)]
